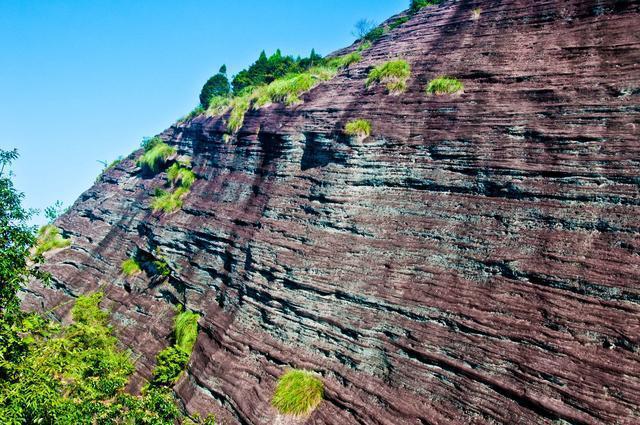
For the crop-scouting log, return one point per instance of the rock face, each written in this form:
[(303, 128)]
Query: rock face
[(475, 261)]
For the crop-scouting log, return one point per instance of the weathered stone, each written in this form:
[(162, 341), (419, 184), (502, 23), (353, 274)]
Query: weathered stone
[(476, 260)]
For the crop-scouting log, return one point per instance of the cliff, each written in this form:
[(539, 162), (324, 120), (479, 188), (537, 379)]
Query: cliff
[(476, 260)]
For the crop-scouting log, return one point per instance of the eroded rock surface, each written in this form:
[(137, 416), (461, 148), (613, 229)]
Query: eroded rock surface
[(475, 261)]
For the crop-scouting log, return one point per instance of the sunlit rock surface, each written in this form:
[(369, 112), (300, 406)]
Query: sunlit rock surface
[(475, 261)]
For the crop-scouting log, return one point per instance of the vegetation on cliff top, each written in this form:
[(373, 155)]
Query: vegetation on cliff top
[(298, 393)]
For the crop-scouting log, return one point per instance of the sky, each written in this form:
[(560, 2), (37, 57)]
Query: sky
[(83, 81)]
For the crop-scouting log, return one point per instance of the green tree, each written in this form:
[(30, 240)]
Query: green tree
[(218, 85)]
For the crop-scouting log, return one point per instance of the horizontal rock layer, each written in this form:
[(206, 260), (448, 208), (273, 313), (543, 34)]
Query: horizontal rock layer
[(476, 260)]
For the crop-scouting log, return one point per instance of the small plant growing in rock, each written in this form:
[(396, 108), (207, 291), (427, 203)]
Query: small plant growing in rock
[(398, 22), (49, 238), (475, 13), (155, 155), (130, 267), (180, 174), (298, 393), (444, 85), (168, 202), (358, 128), (394, 74), (416, 5)]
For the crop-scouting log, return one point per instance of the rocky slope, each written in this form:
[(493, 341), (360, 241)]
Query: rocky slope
[(475, 261)]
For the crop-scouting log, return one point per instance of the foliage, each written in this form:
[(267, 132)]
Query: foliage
[(16, 240), (359, 128), (364, 45), (198, 110), (181, 174), (76, 374), (444, 85), (186, 325), (130, 266), (475, 13), (49, 238), (362, 28), (394, 74), (170, 363), (168, 202), (54, 211), (159, 267), (267, 69), (155, 155), (216, 86), (217, 105), (416, 5), (286, 89), (298, 393), (395, 24), (375, 34)]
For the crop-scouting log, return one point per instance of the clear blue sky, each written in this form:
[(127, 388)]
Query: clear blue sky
[(86, 80)]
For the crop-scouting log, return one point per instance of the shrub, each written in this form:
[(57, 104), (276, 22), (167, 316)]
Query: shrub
[(180, 174), (298, 393), (49, 238), (416, 5), (475, 13), (394, 74), (130, 267), (444, 85), (362, 28), (359, 128), (216, 86), (268, 69), (170, 363), (375, 34), (155, 156)]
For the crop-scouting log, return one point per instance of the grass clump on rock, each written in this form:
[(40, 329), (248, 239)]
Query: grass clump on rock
[(394, 74), (444, 85), (180, 174), (171, 361), (49, 238), (156, 153), (130, 266), (168, 202), (298, 393), (416, 5), (358, 128)]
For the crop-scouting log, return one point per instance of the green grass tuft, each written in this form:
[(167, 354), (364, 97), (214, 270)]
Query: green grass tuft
[(444, 85), (155, 157), (217, 105), (298, 393), (398, 22), (168, 202), (186, 330), (359, 128), (364, 45), (416, 5), (130, 267), (394, 74), (344, 61), (49, 238), (180, 174)]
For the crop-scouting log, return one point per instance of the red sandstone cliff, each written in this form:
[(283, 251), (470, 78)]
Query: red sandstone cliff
[(475, 261)]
